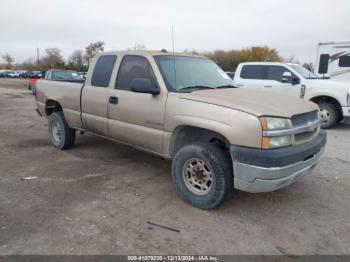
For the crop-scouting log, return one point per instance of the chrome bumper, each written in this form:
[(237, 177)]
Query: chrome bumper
[(255, 179), (258, 170)]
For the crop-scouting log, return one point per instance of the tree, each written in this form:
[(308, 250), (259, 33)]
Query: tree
[(92, 49), (227, 60), (261, 54), (52, 59), (9, 60), (76, 61)]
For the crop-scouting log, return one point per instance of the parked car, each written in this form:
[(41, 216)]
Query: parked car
[(289, 79), (218, 137), (64, 76), (333, 60)]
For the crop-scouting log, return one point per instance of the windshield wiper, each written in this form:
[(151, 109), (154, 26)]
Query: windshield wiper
[(190, 89), (227, 86)]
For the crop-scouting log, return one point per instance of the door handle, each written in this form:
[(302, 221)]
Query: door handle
[(113, 100), (268, 86), (239, 85)]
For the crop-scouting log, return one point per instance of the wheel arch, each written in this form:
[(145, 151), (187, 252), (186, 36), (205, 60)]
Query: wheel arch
[(328, 99), (52, 106), (186, 134)]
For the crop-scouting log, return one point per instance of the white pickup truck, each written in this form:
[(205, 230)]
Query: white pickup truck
[(332, 97)]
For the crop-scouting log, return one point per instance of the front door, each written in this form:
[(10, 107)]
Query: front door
[(136, 118), (275, 84)]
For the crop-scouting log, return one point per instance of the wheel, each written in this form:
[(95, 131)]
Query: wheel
[(202, 174), (329, 115), (60, 134)]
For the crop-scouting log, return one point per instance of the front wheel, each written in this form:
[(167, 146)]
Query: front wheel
[(202, 174), (329, 115), (60, 134)]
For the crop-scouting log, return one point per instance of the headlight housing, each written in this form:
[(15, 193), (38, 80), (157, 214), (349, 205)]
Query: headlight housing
[(275, 123)]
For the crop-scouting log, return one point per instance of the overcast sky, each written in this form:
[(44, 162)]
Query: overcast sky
[(292, 27)]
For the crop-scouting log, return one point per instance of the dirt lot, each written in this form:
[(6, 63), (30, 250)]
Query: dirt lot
[(97, 198)]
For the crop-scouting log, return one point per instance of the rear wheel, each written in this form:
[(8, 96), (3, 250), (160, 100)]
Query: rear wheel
[(329, 115), (202, 174), (60, 134)]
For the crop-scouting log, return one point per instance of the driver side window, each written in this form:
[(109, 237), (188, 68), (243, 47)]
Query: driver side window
[(133, 67), (276, 73)]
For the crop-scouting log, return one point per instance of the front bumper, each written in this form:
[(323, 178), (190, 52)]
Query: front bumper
[(257, 170), (346, 111)]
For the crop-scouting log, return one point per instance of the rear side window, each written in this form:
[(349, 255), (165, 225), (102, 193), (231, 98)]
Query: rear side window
[(103, 70), (133, 67), (324, 61), (253, 72), (344, 61), (276, 73)]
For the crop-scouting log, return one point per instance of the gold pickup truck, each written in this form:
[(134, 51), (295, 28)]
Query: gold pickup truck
[(186, 109)]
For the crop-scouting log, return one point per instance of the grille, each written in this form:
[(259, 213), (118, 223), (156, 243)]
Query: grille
[(303, 119)]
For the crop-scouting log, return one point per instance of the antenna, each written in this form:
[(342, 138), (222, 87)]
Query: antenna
[(173, 43)]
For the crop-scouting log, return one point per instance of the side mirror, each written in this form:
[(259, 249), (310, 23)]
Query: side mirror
[(295, 81), (286, 77), (144, 85)]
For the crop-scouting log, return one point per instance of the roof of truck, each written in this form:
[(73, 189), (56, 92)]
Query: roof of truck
[(152, 53)]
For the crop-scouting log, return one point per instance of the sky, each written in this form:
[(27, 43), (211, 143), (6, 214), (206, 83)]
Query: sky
[(292, 27)]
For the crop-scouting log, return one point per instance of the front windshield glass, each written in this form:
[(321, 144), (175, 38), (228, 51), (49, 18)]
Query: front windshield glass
[(304, 72), (65, 75), (181, 72)]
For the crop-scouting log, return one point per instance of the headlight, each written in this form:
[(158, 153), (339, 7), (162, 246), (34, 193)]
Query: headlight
[(275, 123)]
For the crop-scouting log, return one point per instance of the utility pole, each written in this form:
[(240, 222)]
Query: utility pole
[(37, 53)]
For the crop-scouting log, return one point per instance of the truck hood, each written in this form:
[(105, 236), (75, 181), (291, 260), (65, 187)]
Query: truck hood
[(258, 103)]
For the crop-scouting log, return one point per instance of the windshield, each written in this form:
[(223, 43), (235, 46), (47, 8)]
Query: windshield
[(304, 72), (182, 73), (65, 75)]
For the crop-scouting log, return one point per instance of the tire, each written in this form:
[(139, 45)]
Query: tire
[(184, 174), (60, 134), (329, 115)]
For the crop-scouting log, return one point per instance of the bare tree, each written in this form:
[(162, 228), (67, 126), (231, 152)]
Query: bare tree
[(9, 60), (92, 49), (52, 59), (292, 59), (76, 61)]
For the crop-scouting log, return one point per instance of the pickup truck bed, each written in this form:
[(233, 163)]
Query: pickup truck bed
[(66, 94)]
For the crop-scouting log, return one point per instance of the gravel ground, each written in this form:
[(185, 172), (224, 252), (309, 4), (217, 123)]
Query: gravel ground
[(97, 198)]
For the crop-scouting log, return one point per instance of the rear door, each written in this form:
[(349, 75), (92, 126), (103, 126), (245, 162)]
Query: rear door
[(136, 118), (95, 94)]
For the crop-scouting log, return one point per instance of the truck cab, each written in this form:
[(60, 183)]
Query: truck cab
[(293, 80)]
